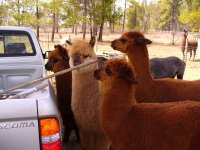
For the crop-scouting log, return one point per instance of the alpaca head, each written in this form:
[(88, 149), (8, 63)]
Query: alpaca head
[(56, 59), (63, 41), (129, 40), (116, 72), (185, 34), (80, 52)]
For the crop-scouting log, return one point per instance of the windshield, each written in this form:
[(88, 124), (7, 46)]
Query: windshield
[(16, 44)]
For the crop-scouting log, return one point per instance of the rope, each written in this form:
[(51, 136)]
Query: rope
[(29, 91), (47, 77)]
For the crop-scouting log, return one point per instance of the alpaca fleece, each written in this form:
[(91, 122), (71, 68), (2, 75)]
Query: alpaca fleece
[(134, 44), (144, 126)]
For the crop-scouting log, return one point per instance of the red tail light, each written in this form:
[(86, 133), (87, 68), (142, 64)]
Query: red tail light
[(50, 134)]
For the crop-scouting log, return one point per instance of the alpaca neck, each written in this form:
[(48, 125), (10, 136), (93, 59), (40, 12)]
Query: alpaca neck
[(117, 103), (63, 85), (140, 61), (84, 83), (184, 40)]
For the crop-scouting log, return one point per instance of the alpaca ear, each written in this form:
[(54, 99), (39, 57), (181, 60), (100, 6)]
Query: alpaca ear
[(62, 51), (68, 42), (143, 41), (129, 77), (59, 47), (55, 46), (92, 41)]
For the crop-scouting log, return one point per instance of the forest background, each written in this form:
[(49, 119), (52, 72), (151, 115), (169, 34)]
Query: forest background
[(99, 17)]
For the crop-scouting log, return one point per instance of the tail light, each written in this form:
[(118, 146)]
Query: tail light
[(50, 134)]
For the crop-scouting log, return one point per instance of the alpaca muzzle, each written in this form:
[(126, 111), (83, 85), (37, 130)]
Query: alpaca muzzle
[(76, 59), (48, 66), (113, 44)]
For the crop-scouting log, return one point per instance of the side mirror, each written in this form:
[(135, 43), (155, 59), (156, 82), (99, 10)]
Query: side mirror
[(46, 54)]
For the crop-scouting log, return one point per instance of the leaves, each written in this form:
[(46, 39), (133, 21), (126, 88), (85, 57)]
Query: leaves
[(156, 15)]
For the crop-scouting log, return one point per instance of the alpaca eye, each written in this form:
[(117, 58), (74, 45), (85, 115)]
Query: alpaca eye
[(55, 60), (85, 56), (123, 40), (108, 71)]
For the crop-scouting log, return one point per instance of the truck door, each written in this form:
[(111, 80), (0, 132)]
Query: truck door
[(19, 125)]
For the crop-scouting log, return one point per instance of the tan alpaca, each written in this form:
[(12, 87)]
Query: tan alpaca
[(86, 96), (144, 126), (133, 43), (188, 45)]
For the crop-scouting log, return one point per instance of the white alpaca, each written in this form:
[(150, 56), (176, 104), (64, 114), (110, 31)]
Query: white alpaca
[(63, 40), (86, 96)]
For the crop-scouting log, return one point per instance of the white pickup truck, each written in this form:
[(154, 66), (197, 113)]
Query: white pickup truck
[(29, 118)]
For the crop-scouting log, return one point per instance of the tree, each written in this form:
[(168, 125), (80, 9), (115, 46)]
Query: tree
[(106, 8), (54, 9), (124, 16), (3, 13), (190, 14), (133, 15)]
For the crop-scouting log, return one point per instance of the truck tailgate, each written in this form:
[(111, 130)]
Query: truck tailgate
[(19, 125)]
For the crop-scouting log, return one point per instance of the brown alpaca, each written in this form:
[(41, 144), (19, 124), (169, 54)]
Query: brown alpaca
[(188, 45), (144, 126), (59, 60), (133, 43), (86, 96)]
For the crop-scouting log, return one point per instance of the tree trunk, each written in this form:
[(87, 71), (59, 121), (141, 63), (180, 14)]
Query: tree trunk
[(113, 22), (84, 30), (173, 21), (100, 38), (73, 29), (57, 26), (38, 17), (91, 32), (53, 28), (124, 20), (76, 30), (18, 10), (85, 15)]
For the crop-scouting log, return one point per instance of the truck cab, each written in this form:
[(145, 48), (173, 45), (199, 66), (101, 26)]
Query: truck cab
[(29, 117)]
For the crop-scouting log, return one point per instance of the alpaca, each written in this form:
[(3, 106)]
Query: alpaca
[(86, 96), (134, 44), (188, 45), (169, 67), (143, 126), (63, 40), (59, 60)]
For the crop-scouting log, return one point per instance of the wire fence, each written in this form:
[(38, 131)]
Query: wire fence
[(157, 37)]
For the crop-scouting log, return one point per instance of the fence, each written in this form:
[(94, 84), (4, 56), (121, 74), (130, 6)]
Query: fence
[(158, 37)]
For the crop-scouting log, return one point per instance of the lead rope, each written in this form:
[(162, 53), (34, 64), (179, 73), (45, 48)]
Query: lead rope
[(47, 77)]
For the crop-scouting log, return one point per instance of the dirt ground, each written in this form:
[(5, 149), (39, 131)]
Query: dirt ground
[(192, 71)]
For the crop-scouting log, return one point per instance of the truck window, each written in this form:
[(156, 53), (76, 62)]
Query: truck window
[(16, 44)]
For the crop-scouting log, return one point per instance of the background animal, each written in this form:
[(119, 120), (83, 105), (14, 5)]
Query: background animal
[(86, 96), (150, 126), (188, 45), (134, 44), (169, 67), (59, 60), (63, 40)]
